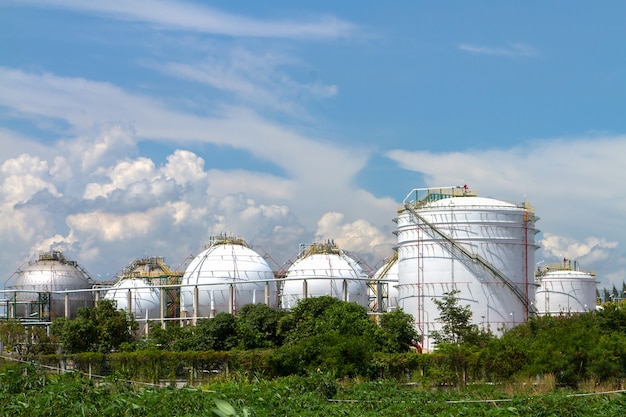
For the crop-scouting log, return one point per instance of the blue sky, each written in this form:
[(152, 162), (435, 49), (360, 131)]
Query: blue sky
[(143, 128)]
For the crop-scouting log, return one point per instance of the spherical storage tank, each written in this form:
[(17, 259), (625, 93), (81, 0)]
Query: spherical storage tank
[(142, 297), (39, 289), (228, 274), (324, 269), (449, 239), (563, 288)]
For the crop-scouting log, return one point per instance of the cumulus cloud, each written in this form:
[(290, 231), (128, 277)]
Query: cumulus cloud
[(359, 236), (591, 250), (572, 183)]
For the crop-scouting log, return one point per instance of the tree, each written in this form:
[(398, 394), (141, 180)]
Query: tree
[(257, 326), (102, 328), (455, 318), (399, 330)]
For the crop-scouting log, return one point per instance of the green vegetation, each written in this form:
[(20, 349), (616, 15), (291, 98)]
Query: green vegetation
[(27, 391), (324, 357)]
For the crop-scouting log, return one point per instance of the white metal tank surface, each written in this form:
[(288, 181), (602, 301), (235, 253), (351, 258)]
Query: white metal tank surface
[(143, 297), (449, 239), (324, 269), (384, 286), (48, 288), (228, 274), (563, 288)]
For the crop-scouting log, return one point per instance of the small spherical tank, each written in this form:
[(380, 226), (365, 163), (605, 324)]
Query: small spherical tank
[(144, 298), (324, 269), (226, 275), (50, 287)]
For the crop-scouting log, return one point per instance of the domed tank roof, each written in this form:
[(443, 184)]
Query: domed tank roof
[(227, 262), (39, 288), (144, 297), (51, 272), (325, 268)]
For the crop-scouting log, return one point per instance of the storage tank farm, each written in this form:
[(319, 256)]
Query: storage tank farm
[(50, 287), (563, 288), (323, 269), (226, 275), (450, 239), (384, 286)]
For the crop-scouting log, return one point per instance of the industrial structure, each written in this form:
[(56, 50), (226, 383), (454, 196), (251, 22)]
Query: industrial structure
[(383, 286), (563, 288), (324, 269), (50, 287), (449, 239), (226, 275)]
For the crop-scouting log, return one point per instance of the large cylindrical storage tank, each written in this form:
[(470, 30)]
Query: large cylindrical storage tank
[(137, 296), (384, 286), (48, 288), (449, 239), (324, 269), (227, 275), (563, 288)]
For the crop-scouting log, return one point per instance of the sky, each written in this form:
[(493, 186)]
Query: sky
[(144, 128)]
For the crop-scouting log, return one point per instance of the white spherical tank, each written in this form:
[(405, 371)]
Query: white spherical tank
[(50, 287), (324, 269), (143, 297), (449, 239), (563, 288), (384, 286), (228, 274)]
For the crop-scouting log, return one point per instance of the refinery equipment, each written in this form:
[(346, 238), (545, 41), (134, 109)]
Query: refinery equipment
[(449, 239), (147, 288), (50, 287), (563, 288), (225, 276), (324, 269), (383, 288)]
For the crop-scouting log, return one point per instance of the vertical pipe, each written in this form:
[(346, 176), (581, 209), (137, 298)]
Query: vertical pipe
[(305, 289), (267, 294), (212, 312), (162, 308), (67, 305), (344, 290), (194, 320), (379, 296), (129, 302), (231, 299)]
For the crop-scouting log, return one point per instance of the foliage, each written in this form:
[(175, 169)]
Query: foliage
[(399, 329), (457, 328), (27, 391), (102, 328)]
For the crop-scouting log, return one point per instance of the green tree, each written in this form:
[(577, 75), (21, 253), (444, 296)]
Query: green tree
[(257, 326), (12, 334), (399, 330), (457, 328), (102, 328), (328, 335), (218, 333)]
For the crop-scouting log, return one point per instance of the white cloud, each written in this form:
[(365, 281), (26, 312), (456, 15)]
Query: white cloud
[(359, 236), (513, 50), (179, 15), (573, 184), (591, 250)]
